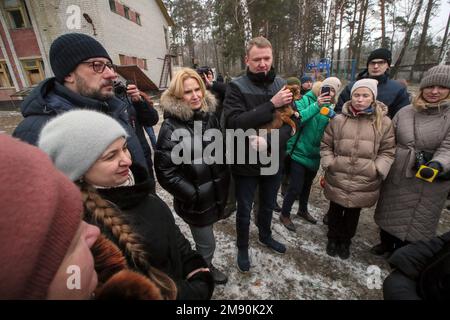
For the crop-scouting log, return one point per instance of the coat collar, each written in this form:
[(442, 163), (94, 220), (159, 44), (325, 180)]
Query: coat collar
[(177, 108), (346, 110)]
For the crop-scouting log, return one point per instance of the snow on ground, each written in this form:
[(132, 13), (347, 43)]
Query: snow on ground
[(304, 272)]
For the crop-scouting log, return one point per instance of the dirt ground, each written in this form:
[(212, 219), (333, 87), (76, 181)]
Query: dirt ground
[(305, 271)]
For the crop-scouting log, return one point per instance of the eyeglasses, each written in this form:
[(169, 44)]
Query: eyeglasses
[(99, 66), (377, 62)]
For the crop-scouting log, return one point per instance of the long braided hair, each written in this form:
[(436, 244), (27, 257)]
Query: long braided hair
[(108, 215)]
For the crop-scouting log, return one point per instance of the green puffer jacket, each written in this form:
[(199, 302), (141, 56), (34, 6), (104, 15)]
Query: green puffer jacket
[(307, 148)]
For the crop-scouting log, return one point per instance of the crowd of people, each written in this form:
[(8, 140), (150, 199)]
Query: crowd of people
[(84, 195)]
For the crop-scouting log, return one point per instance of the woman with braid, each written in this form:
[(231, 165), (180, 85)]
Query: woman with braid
[(90, 148)]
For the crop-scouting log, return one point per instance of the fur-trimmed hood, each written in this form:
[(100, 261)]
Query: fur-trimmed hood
[(174, 107)]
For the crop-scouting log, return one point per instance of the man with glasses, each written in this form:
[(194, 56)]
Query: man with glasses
[(84, 79), (392, 93)]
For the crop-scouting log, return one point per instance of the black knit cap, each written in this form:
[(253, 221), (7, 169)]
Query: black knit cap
[(380, 53), (68, 50)]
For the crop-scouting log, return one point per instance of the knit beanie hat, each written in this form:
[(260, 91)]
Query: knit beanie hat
[(76, 139), (39, 217), (305, 79), (371, 84), (436, 76), (68, 50), (380, 53), (333, 82), (293, 80)]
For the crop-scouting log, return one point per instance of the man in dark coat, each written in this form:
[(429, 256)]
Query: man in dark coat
[(250, 102), (421, 271), (392, 93), (84, 76)]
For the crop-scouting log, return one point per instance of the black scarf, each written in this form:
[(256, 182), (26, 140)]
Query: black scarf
[(262, 78)]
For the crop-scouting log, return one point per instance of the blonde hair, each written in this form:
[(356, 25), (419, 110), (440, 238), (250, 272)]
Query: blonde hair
[(420, 104), (378, 110), (109, 216), (176, 87), (259, 42)]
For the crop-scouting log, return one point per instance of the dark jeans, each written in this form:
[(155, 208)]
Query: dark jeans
[(390, 242), (285, 175), (151, 135), (245, 191), (342, 223), (300, 182)]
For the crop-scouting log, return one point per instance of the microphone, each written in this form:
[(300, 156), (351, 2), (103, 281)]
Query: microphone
[(330, 113)]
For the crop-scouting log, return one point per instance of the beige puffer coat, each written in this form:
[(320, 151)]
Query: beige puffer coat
[(410, 208), (356, 157)]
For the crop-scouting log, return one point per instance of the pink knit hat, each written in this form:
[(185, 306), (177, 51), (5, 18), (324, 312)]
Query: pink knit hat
[(40, 214)]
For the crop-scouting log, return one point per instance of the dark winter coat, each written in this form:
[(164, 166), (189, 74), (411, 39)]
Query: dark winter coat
[(247, 105), (51, 98), (200, 190), (167, 248), (422, 271), (219, 90), (392, 93), (143, 116)]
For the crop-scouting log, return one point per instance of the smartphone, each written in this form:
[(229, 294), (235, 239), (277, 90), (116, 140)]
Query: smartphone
[(326, 90)]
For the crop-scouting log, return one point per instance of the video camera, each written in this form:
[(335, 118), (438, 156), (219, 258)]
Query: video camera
[(203, 70)]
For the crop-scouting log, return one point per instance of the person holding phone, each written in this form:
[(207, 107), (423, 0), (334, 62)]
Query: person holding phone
[(304, 147), (357, 151)]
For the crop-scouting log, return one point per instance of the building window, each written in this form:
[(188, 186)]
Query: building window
[(122, 59), (33, 70), (138, 19), (126, 11), (166, 37), (5, 76), (17, 14), (112, 5)]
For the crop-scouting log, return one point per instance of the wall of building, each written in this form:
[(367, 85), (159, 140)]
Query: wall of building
[(118, 34), (144, 42)]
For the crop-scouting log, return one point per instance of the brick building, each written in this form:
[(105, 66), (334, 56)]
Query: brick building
[(134, 32)]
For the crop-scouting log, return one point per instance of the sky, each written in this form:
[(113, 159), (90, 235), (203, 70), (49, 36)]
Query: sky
[(438, 23)]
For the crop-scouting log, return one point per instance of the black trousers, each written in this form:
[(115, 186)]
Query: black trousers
[(390, 242), (342, 223)]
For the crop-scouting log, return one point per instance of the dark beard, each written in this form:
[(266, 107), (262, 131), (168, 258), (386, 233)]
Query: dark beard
[(84, 91)]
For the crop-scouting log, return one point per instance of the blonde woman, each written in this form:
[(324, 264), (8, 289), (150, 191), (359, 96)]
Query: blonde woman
[(199, 189), (409, 208), (357, 152)]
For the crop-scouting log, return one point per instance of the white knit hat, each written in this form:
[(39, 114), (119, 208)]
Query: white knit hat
[(76, 139), (333, 82), (370, 84)]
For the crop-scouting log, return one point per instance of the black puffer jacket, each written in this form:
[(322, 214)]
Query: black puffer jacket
[(422, 271), (247, 105), (167, 248), (200, 190)]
